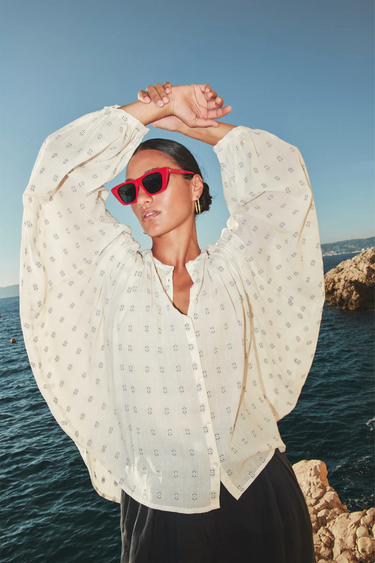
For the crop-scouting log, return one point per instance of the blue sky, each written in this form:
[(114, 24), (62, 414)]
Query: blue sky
[(302, 70)]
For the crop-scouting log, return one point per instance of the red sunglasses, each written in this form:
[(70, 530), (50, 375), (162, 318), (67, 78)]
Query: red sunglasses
[(153, 183)]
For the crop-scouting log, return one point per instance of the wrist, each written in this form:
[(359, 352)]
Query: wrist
[(147, 113), (209, 135), (184, 129)]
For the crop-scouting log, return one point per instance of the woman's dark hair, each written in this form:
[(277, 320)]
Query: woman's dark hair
[(184, 160)]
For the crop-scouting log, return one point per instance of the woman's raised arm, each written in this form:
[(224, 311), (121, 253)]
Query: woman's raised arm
[(67, 232), (175, 116), (191, 105)]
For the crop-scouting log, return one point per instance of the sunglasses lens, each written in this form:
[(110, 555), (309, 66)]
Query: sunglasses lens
[(127, 193), (153, 183)]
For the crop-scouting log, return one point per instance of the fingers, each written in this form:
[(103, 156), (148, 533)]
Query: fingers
[(155, 96), (162, 94), (144, 97), (158, 95), (219, 112), (167, 87), (200, 122), (213, 100), (207, 91), (214, 114), (211, 95), (216, 103)]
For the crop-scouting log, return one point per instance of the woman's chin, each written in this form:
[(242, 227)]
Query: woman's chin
[(152, 230)]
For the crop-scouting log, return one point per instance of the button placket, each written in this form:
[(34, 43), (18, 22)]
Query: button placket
[(192, 297), (165, 275), (169, 285), (195, 270), (207, 426)]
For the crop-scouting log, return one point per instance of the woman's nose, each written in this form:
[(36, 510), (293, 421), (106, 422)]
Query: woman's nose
[(143, 196)]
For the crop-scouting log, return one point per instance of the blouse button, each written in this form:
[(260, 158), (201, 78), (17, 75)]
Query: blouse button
[(215, 466)]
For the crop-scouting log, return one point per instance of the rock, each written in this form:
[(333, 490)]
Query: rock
[(316, 539), (318, 492), (335, 512), (344, 532), (326, 540), (326, 552), (311, 475), (362, 531), (339, 536), (366, 546), (367, 520), (345, 557), (328, 501), (314, 522), (351, 284), (322, 516)]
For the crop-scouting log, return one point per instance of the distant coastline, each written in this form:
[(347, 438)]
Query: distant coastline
[(352, 246), (9, 291), (333, 253), (347, 246)]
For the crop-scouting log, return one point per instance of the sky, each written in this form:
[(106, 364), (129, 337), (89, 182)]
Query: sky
[(301, 70)]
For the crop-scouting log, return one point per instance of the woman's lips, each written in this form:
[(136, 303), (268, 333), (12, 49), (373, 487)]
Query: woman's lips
[(150, 214)]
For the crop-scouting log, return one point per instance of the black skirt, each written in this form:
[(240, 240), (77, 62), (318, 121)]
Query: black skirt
[(269, 523)]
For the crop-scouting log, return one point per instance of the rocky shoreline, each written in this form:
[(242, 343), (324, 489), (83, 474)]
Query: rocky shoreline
[(351, 284), (339, 536)]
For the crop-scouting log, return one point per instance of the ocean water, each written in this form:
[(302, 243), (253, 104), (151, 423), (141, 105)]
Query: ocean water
[(49, 511)]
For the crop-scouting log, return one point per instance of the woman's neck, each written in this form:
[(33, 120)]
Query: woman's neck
[(177, 247)]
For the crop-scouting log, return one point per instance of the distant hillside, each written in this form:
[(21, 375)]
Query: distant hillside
[(344, 246), (9, 291)]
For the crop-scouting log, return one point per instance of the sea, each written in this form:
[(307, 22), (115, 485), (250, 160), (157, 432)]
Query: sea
[(49, 512)]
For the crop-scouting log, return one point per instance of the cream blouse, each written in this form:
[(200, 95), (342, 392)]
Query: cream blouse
[(161, 404)]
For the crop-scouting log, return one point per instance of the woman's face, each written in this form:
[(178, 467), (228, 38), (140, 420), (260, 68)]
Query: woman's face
[(174, 206)]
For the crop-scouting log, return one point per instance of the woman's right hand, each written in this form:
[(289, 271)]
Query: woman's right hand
[(193, 106)]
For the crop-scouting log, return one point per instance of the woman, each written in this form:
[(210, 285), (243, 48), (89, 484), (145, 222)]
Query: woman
[(170, 368)]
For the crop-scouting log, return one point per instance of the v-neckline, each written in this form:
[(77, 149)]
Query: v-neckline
[(191, 269)]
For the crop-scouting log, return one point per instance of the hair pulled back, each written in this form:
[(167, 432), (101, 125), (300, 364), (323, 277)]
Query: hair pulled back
[(184, 160)]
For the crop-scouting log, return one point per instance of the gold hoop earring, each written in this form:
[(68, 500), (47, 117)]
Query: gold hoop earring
[(198, 210)]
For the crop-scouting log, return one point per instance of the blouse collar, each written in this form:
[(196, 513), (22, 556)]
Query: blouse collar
[(194, 267)]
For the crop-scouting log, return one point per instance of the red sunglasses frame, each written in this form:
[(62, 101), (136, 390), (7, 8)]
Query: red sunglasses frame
[(165, 173)]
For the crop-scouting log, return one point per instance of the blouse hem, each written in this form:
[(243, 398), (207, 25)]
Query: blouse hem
[(233, 490), (167, 508)]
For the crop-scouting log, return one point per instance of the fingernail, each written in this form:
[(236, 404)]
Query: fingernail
[(165, 99), (147, 99), (167, 90), (159, 103)]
